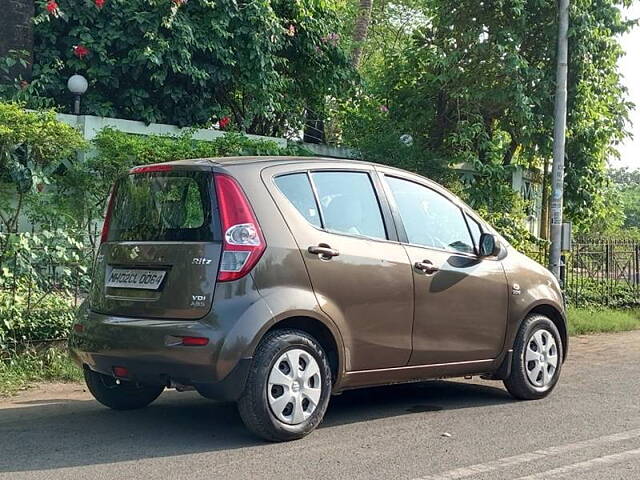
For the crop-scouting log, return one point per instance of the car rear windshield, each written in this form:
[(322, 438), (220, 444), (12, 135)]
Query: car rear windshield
[(163, 206)]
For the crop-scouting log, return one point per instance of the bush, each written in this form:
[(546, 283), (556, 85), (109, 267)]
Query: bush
[(34, 148), (40, 278), (118, 151), (38, 282), (262, 63), (31, 316), (34, 137), (591, 292), (47, 260)]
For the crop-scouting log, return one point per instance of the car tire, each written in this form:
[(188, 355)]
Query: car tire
[(281, 403), (537, 359), (120, 396)]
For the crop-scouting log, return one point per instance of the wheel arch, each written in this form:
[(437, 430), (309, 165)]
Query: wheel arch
[(559, 320), (319, 331)]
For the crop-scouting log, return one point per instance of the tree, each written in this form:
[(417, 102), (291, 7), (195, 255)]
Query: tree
[(360, 30), (473, 82), (628, 185), (17, 36)]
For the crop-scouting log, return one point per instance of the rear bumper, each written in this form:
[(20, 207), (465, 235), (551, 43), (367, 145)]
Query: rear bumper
[(146, 348)]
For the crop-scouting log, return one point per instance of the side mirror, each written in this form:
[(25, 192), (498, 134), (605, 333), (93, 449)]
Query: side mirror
[(489, 245)]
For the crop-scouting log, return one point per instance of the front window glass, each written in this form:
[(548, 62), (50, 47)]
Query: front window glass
[(349, 203), (430, 219)]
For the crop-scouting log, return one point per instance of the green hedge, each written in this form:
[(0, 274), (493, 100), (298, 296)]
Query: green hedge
[(30, 317)]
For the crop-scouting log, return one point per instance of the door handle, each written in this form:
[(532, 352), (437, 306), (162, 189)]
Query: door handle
[(426, 267), (324, 251)]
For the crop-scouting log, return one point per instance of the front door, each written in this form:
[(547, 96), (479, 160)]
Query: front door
[(360, 275), (460, 299)]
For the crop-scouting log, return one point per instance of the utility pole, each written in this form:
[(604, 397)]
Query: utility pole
[(560, 123)]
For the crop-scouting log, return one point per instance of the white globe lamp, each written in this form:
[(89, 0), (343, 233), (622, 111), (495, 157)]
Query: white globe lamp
[(77, 85)]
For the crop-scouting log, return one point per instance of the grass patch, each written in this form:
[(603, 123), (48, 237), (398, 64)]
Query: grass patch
[(20, 370), (592, 320)]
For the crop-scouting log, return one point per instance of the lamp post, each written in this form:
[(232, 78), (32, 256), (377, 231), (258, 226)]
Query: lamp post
[(77, 85)]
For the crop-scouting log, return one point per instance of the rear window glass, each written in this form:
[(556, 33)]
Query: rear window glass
[(297, 189), (162, 206), (349, 203)]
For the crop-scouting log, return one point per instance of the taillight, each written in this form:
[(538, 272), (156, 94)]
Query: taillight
[(243, 242), (107, 218)]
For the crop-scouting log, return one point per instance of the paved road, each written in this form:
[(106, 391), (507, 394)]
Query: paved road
[(588, 429)]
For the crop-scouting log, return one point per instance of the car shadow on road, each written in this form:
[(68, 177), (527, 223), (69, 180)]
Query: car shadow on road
[(391, 401), (66, 433)]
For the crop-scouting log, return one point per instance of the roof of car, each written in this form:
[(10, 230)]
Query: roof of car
[(270, 159)]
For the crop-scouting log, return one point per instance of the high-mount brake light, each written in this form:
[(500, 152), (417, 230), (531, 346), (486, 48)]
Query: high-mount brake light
[(152, 168), (243, 240)]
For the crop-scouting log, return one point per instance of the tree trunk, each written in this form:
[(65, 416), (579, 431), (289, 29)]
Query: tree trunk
[(360, 30), (17, 34)]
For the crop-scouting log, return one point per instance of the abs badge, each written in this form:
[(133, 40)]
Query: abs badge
[(515, 289), (198, 301)]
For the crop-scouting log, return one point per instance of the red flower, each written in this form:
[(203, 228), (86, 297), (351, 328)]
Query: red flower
[(179, 2), (224, 122), (99, 3), (80, 51), (52, 6)]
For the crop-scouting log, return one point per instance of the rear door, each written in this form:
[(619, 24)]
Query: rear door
[(161, 252), (460, 298), (359, 272)]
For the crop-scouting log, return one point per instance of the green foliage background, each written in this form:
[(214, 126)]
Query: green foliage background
[(473, 83), (627, 188), (33, 147), (261, 62)]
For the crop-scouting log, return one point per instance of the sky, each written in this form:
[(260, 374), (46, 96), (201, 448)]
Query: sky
[(630, 69)]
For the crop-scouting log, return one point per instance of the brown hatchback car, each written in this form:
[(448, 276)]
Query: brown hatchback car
[(279, 281)]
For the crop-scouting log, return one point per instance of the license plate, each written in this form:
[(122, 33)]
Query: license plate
[(135, 278)]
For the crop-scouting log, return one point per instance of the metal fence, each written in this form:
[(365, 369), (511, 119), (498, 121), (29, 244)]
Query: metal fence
[(37, 269), (600, 272)]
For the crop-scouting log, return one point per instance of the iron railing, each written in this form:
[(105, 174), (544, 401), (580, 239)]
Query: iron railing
[(599, 272), (46, 269)]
